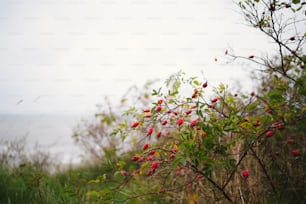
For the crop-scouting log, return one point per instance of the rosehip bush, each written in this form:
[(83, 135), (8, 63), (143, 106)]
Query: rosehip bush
[(192, 146)]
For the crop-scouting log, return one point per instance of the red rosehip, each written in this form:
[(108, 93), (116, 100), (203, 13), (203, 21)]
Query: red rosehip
[(150, 131), (168, 133), (169, 111), (145, 146), (135, 124), (154, 165), (204, 85), (124, 173), (188, 112), (295, 153), (164, 122), (194, 122), (146, 110), (159, 134), (269, 133), (148, 115), (290, 141), (158, 109), (135, 158), (180, 121), (204, 134), (152, 171), (160, 101), (214, 99), (150, 158), (270, 110), (199, 177), (172, 156), (142, 159), (245, 173), (152, 152), (162, 191), (175, 113)]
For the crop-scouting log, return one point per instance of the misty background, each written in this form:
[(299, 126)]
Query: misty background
[(60, 58)]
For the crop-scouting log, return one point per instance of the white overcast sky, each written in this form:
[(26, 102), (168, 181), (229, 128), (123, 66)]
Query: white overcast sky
[(64, 56)]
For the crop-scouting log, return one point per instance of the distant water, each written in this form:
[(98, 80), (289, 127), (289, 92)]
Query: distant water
[(51, 132)]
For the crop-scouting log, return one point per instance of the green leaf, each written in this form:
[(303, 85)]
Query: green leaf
[(296, 1), (196, 82)]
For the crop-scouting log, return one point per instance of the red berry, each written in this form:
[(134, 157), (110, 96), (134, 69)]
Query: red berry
[(145, 146), (204, 134), (199, 177), (146, 110), (162, 191), (269, 133), (148, 115), (251, 56), (270, 111), (124, 173), (172, 156), (142, 159), (194, 122), (295, 153), (214, 99), (135, 124), (245, 173), (180, 121), (164, 122), (154, 165), (290, 141), (168, 133), (158, 108), (152, 152), (292, 38), (188, 112), (159, 134), (204, 85), (160, 101), (150, 158), (151, 172), (150, 131), (135, 158)]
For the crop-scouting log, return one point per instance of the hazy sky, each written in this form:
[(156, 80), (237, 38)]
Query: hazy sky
[(64, 56)]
